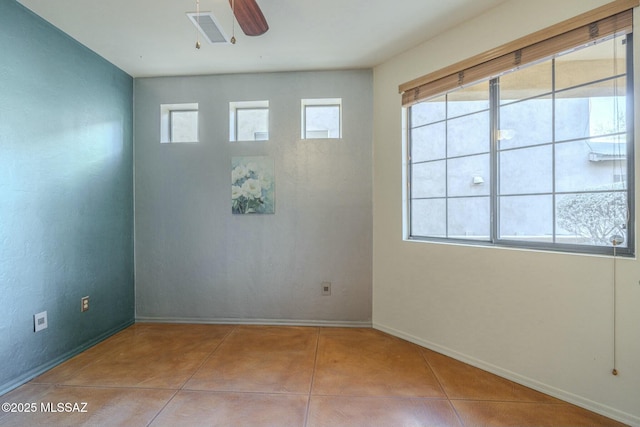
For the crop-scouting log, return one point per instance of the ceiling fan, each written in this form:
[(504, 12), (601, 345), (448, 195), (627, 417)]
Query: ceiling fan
[(249, 17), (246, 12)]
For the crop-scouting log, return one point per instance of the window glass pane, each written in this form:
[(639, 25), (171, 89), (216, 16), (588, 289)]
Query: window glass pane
[(468, 176), (587, 109), (432, 110), (607, 114), (526, 123), (590, 164), (590, 64), (591, 218), (184, 126), (528, 82), (468, 135), (428, 179), (429, 218), (428, 142), (252, 124), (526, 171), (469, 218), (527, 218), (572, 117), (468, 100), (322, 121)]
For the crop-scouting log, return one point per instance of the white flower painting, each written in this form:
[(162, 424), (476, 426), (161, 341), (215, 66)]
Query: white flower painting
[(252, 185)]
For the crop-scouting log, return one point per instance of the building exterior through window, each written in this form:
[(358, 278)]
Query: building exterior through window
[(538, 157)]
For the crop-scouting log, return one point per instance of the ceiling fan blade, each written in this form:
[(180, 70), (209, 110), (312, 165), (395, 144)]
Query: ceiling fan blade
[(250, 17)]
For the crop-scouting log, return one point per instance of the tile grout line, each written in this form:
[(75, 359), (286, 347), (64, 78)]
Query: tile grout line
[(111, 387), (453, 407), (313, 377), (419, 349), (530, 402), (191, 376), (209, 356), (383, 397), (175, 393)]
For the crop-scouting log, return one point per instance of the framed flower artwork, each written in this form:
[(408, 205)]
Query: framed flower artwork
[(252, 185)]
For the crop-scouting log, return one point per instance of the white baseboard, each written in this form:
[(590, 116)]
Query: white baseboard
[(267, 322), (596, 407)]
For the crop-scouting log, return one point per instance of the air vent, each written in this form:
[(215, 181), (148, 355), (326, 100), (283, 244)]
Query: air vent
[(206, 23)]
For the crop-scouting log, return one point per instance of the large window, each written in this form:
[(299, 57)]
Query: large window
[(538, 157)]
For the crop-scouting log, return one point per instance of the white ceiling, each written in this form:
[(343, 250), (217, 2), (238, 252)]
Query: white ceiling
[(155, 37)]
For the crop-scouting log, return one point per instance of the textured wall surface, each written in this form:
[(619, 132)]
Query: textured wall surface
[(66, 195), (542, 319), (197, 261)]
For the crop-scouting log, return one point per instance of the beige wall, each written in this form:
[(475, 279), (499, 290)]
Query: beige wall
[(542, 319)]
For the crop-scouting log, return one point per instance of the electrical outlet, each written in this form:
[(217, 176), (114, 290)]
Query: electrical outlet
[(326, 288), (40, 321), (84, 304)]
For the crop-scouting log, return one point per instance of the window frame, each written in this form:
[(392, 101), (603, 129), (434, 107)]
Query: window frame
[(166, 125), (315, 103), (494, 239), (235, 107)]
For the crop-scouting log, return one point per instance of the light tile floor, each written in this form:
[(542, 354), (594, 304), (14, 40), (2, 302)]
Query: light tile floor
[(227, 375)]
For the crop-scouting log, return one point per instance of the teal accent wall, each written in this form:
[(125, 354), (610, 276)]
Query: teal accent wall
[(66, 195)]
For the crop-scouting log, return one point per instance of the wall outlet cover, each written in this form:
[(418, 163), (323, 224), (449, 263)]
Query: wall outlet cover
[(40, 321), (326, 288), (84, 304)]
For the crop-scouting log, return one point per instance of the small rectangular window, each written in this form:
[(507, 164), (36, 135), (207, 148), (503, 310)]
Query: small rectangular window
[(322, 118), (249, 121), (179, 123)]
